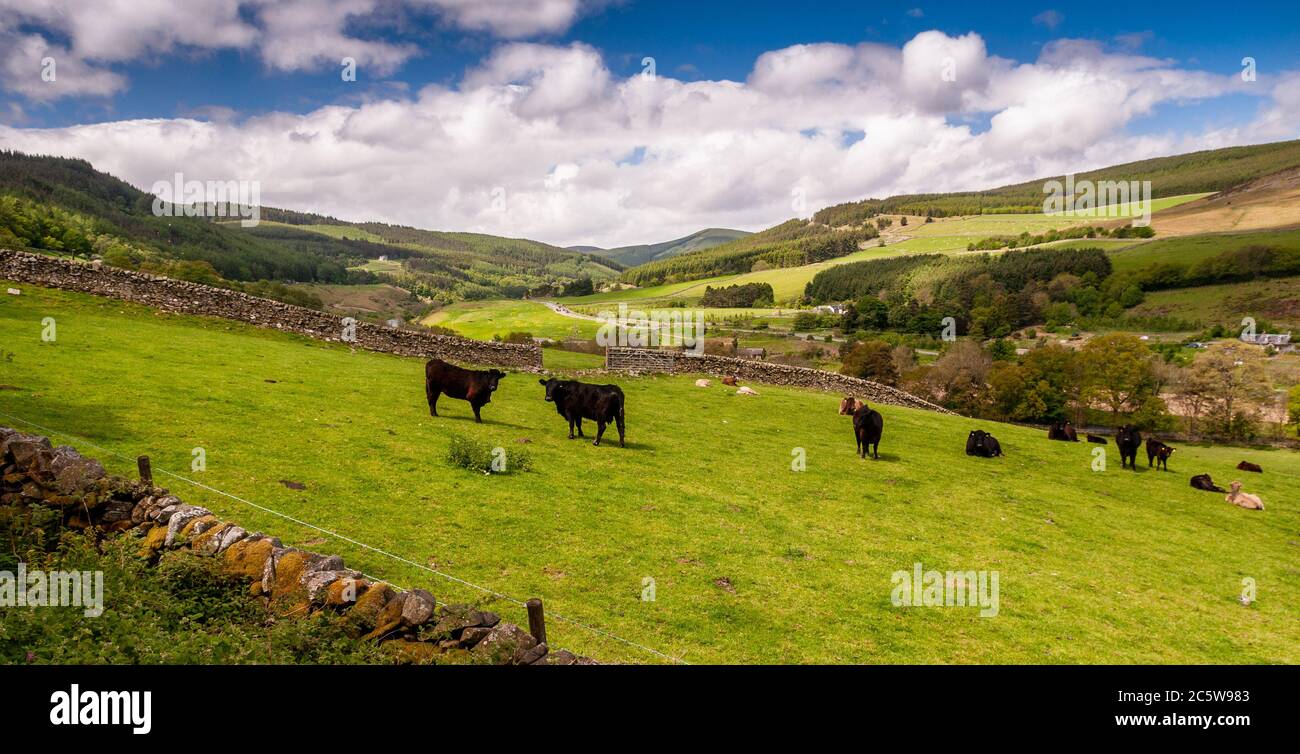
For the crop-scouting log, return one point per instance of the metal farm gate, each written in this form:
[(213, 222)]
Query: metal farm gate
[(639, 359)]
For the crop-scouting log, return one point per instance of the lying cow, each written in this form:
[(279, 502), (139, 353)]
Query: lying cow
[(1062, 431), (1128, 440), (576, 401), (1204, 482), (1248, 466), (464, 384), (1244, 499), (1097, 439), (982, 444), (1158, 453), (868, 425)]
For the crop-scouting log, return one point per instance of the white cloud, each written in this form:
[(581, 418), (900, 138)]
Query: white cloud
[(287, 35), (1049, 18), (42, 71), (511, 19), (549, 129)]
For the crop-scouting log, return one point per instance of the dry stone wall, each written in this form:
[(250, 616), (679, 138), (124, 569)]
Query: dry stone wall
[(292, 582), (680, 362), (196, 298)]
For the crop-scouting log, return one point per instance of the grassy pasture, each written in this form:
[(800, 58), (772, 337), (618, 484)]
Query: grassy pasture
[(483, 319), (753, 562), (1193, 249), (1276, 300)]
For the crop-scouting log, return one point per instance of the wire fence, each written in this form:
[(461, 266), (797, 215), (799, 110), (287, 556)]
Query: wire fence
[(344, 538)]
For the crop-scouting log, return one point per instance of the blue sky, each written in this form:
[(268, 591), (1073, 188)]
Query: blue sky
[(831, 99), (702, 40)]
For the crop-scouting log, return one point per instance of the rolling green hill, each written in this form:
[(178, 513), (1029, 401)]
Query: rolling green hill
[(65, 206), (1007, 210), (793, 243), (751, 560), (630, 256), (1193, 173)]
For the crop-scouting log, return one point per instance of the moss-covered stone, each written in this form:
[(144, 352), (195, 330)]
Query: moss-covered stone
[(247, 558), (345, 592), (288, 595), (364, 615), (153, 540), (198, 525), (207, 541), (389, 618)]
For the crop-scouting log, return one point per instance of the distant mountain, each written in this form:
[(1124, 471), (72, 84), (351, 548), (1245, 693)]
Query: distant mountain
[(630, 256)]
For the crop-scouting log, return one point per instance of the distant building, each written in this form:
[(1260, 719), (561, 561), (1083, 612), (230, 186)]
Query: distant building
[(831, 309), (1280, 341), (754, 354), (394, 323)]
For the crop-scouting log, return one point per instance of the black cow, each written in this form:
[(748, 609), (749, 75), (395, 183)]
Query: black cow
[(1158, 453), (576, 401), (982, 444), (1128, 440), (868, 425), (465, 384), (1097, 439), (1248, 466), (1062, 431), (1204, 482)]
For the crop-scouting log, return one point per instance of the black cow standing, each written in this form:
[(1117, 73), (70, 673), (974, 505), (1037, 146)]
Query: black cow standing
[(1158, 453), (576, 401), (982, 444), (1128, 440), (868, 425), (464, 384)]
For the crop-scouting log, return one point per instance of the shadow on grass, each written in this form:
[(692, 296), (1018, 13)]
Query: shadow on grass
[(486, 421)]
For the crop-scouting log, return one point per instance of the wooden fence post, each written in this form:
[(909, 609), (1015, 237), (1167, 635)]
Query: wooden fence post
[(536, 620), (146, 471)]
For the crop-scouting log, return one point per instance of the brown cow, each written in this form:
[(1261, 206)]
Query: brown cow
[(465, 384), (850, 405), (1244, 499)]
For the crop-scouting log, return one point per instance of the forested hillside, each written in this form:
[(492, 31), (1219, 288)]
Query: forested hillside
[(65, 206), (1197, 172), (630, 256), (791, 244)]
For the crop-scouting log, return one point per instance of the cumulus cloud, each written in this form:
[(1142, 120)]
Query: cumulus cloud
[(288, 35), (544, 141)]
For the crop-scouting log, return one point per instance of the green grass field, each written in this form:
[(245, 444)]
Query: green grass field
[(386, 267), (554, 358), (483, 319), (1276, 300), (752, 562), (1192, 249)]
